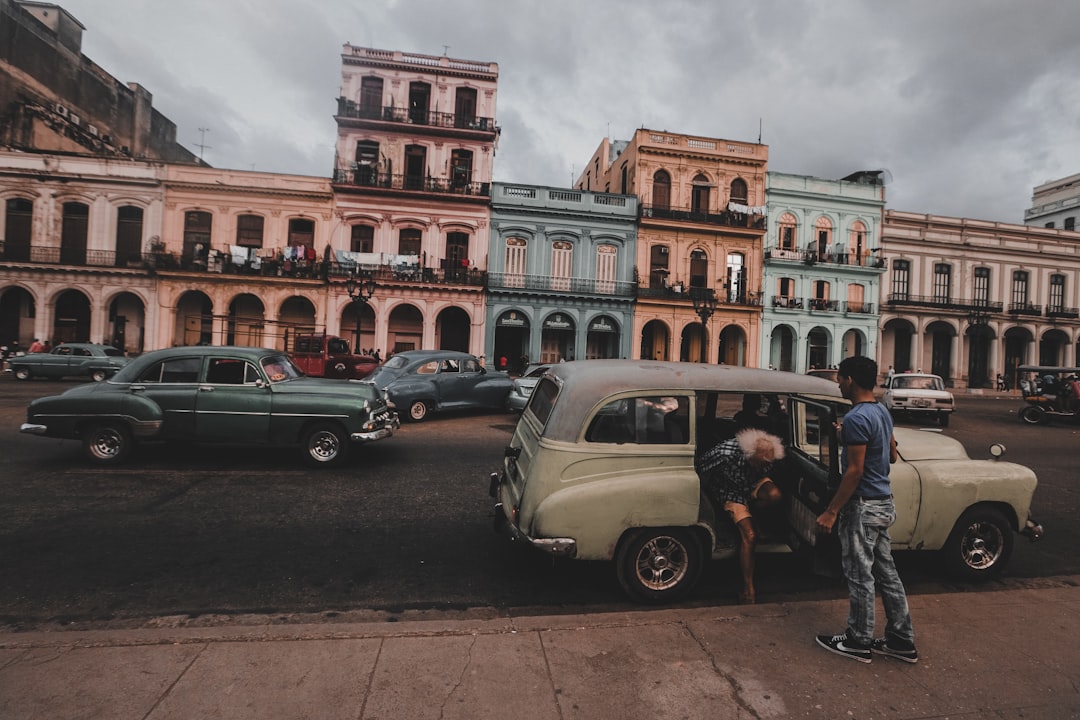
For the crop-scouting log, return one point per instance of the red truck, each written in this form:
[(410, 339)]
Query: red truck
[(329, 356)]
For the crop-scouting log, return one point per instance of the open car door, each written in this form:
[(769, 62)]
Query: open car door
[(815, 461)]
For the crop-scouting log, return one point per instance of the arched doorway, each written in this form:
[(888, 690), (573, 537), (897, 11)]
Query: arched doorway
[(17, 311), (941, 336), (602, 340), (452, 329), (853, 344), (782, 348), (1017, 346), (896, 339), (979, 339), (557, 338), (194, 319), (296, 315), (127, 323), (359, 330), (71, 323), (732, 346), (245, 325), (692, 343), (406, 328), (1052, 348), (511, 336), (817, 348), (655, 341)]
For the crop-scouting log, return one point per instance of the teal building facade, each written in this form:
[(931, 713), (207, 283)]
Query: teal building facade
[(560, 275), (822, 270)]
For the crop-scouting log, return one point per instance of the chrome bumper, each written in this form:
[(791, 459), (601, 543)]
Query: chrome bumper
[(560, 547), (33, 429)]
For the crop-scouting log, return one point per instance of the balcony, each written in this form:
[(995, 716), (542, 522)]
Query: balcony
[(1058, 311), (546, 283), (411, 183), (943, 303), (727, 218), (80, 257), (412, 116), (1024, 308), (811, 257), (678, 291)]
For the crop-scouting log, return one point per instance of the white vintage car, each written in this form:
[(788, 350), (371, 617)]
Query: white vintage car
[(918, 394), (601, 467)]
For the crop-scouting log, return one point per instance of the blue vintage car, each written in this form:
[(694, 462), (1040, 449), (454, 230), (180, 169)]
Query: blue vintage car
[(235, 395), (426, 381), (89, 360)]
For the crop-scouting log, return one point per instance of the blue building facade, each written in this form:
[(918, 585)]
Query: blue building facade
[(560, 275), (822, 270)]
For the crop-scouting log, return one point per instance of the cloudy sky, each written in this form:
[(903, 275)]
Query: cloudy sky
[(967, 103)]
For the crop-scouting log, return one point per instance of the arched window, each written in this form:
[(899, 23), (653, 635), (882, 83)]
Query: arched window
[(699, 198), (858, 248), (739, 193), (699, 269), (661, 190), (822, 237), (516, 263), (786, 233)]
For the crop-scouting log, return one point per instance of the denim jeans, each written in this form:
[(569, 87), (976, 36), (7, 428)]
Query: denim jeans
[(863, 529)]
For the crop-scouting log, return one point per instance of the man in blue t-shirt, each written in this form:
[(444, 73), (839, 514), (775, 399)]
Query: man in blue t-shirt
[(862, 511)]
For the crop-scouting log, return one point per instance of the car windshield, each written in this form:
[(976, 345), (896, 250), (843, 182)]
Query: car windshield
[(396, 362), (901, 382), (279, 368), (537, 371)]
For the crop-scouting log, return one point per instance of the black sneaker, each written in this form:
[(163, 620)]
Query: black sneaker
[(895, 648), (841, 645)]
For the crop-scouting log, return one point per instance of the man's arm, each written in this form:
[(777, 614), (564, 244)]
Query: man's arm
[(856, 456)]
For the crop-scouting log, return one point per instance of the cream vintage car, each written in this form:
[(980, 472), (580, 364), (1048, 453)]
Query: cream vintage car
[(601, 467)]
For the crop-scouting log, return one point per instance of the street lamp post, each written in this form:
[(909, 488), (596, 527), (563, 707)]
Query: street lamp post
[(360, 290), (704, 305)]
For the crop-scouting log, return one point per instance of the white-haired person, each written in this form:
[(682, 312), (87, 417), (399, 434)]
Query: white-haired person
[(735, 476)]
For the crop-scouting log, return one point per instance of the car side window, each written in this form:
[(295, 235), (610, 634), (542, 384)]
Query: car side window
[(177, 370), (229, 371), (470, 366), (449, 366), (63, 351), (651, 420), (428, 368), (812, 430), (81, 352)]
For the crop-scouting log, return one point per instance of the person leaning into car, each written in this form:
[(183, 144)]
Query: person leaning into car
[(861, 511), (735, 474)]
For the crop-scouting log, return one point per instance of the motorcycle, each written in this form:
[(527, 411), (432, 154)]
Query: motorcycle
[(1050, 393)]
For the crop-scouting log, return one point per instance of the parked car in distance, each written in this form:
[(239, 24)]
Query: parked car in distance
[(89, 360), (919, 394), (420, 382), (329, 356), (601, 466), (523, 386), (234, 395)]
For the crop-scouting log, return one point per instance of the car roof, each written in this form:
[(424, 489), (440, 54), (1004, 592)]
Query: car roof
[(585, 383), (251, 353)]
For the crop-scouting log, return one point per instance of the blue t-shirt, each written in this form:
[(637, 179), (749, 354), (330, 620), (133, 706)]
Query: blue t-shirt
[(869, 424)]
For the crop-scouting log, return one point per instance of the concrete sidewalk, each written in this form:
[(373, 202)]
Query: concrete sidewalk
[(997, 654)]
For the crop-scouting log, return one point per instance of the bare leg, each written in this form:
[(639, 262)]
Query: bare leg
[(747, 541)]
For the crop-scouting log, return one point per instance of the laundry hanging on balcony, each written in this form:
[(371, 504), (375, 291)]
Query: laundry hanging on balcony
[(746, 209)]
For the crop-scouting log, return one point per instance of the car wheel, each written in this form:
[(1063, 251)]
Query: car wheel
[(325, 445), (418, 410), (979, 546), (98, 376), (943, 419), (107, 443), (658, 565), (22, 373), (1034, 415)]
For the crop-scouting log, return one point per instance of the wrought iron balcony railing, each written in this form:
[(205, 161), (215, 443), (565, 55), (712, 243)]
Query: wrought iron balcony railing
[(943, 303), (416, 116), (810, 257), (546, 283), (727, 218), (412, 183)]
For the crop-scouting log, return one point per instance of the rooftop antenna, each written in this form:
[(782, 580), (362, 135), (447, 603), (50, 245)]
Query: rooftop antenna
[(445, 50), (202, 141), (759, 131)]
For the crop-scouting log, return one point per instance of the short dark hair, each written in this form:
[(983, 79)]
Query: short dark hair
[(861, 370)]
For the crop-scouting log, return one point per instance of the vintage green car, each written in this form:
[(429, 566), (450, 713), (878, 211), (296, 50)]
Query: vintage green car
[(238, 395), (89, 360), (602, 467)]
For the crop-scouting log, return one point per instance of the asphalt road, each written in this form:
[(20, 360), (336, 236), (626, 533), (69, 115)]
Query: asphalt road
[(406, 525)]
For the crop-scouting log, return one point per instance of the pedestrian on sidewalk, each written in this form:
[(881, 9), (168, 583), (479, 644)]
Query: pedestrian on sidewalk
[(861, 512)]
